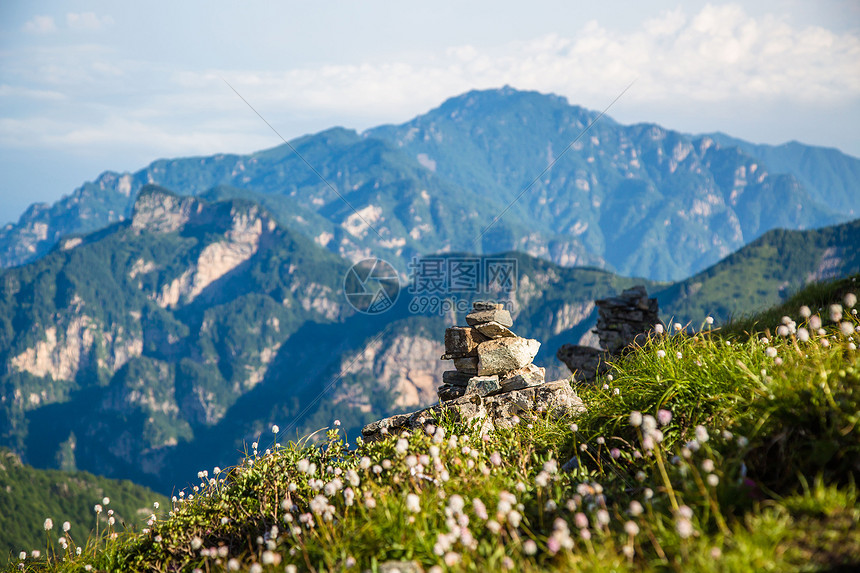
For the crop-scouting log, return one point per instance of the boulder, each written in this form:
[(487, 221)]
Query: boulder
[(505, 354), (557, 399)]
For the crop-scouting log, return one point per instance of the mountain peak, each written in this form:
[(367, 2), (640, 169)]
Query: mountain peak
[(161, 211)]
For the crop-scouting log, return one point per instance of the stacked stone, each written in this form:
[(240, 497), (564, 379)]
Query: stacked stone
[(622, 320), (626, 318), (488, 357)]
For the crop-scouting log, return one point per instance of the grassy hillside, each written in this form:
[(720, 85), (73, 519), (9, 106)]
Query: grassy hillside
[(730, 450), (28, 496), (766, 272)]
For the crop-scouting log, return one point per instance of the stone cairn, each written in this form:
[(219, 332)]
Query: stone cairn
[(488, 357), (622, 320), (494, 382)]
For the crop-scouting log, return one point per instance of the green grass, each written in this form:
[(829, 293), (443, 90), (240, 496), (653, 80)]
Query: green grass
[(727, 450), (28, 496)]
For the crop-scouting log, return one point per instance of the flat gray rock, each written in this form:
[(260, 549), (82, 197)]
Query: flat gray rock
[(505, 354), (494, 329), (524, 377), (456, 378), (499, 315), (486, 305)]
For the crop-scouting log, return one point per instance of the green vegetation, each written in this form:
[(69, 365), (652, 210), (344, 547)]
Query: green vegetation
[(29, 496), (764, 273), (727, 450)]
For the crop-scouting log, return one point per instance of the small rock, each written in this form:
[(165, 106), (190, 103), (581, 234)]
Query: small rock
[(570, 465), (483, 385), (462, 341), (505, 354), (486, 305), (525, 377), (499, 315), (456, 378), (494, 329), (468, 365), (449, 392), (558, 398)]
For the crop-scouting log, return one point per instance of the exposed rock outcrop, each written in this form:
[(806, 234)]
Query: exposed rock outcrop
[(491, 412)]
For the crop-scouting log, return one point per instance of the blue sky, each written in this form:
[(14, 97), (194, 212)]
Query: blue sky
[(92, 86)]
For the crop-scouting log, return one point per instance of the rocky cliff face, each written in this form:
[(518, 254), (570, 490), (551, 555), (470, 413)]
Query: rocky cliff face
[(407, 366)]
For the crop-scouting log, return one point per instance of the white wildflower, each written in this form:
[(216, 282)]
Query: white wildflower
[(402, 446), (413, 503)]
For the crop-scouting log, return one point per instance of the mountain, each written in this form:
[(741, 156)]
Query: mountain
[(650, 201), (159, 345), (765, 272), (829, 175), (641, 200), (167, 342), (28, 496)]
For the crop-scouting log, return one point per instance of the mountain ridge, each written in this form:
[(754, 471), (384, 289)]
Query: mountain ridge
[(148, 351), (477, 151)]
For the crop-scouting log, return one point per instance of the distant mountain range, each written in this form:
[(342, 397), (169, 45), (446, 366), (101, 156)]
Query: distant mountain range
[(159, 345), (640, 200)]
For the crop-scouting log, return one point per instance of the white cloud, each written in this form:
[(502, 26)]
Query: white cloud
[(87, 21), (41, 25), (719, 56)]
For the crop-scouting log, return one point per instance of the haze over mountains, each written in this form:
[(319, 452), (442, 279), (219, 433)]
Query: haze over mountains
[(640, 200)]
